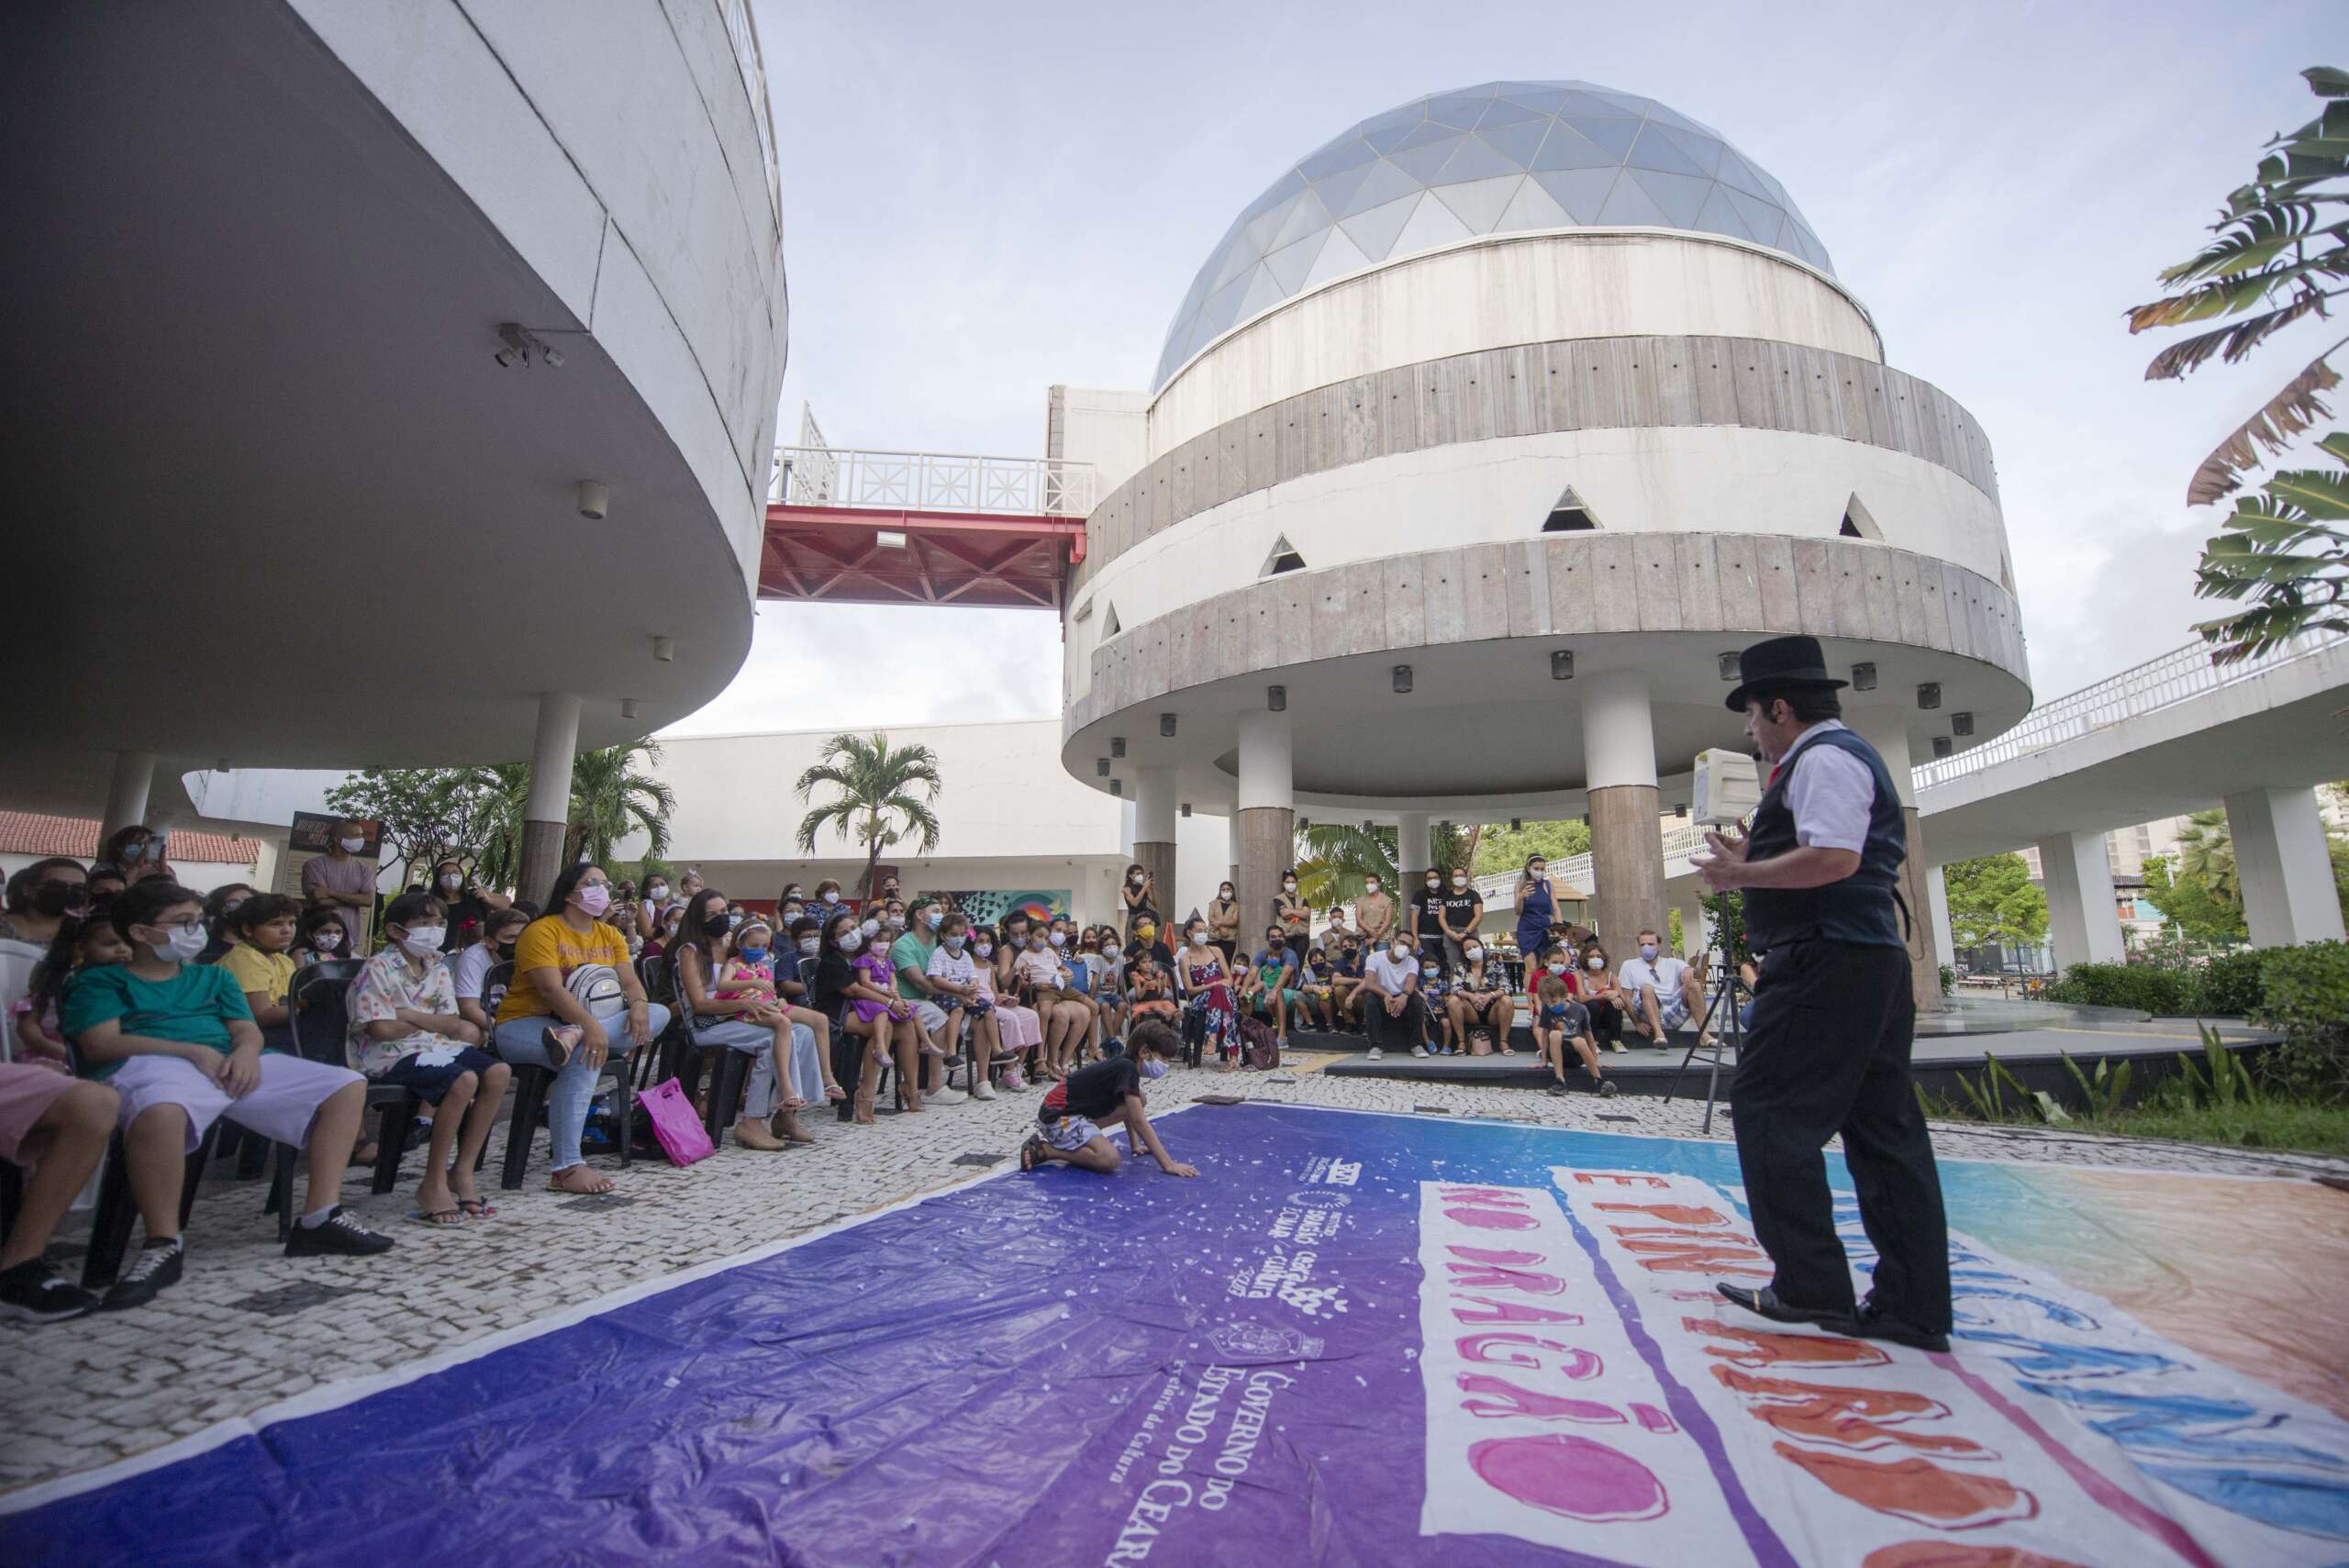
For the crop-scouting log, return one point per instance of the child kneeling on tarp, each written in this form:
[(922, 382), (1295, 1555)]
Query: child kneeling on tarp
[(1073, 1123)]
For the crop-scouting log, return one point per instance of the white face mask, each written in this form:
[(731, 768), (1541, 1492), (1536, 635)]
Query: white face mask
[(182, 946), (452, 881), (1426, 972), (1137, 879), (1400, 949), (1060, 938), (831, 895), (1459, 881), (1288, 887), (1472, 954), (852, 942), (351, 846), (422, 940), (1198, 939), (658, 893), (1595, 963), (810, 944), (985, 949), (326, 940), (1372, 885)]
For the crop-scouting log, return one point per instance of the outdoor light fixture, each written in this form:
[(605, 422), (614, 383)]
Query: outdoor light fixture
[(1367, 824), (1303, 823), (520, 342), (1680, 811), (1402, 678), (221, 766), (1930, 694), (1276, 698), (1586, 818), (1517, 823), (1117, 786), (1166, 724), (1728, 666), (594, 499), (1101, 767), (1186, 808), (1117, 745), (1562, 665), (1942, 746), (1864, 677), (628, 708), (889, 538), (1961, 724), (664, 648)]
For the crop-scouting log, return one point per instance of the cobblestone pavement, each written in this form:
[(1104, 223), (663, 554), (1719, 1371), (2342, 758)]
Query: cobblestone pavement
[(74, 1395)]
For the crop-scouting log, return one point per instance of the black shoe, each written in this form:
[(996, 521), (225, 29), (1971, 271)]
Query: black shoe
[(31, 1293), (338, 1233), (1558, 1088), (1607, 1089), (1867, 1323), (156, 1268), (1765, 1303)]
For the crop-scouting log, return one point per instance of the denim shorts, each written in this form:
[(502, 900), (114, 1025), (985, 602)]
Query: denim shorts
[(430, 1084)]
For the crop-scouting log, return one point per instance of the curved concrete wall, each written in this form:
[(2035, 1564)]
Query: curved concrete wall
[(619, 154), (1509, 289)]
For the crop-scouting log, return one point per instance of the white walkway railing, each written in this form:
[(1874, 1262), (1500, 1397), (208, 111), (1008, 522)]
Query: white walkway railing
[(2175, 677), (930, 482)]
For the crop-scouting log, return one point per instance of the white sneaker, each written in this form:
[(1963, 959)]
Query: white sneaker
[(944, 1098), (1376, 1054), (1418, 1051), (982, 1091)]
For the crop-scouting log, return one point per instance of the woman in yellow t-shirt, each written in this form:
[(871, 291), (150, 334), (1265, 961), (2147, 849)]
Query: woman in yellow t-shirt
[(542, 1024), (262, 960)]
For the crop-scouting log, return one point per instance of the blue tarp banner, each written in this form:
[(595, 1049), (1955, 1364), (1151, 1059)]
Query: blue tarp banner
[(1356, 1338)]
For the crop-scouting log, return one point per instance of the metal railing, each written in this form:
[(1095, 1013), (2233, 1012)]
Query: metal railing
[(1576, 870), (932, 482), (2173, 678), (742, 32)]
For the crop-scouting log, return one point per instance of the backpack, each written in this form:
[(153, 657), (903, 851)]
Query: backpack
[(596, 987), (1258, 1046)]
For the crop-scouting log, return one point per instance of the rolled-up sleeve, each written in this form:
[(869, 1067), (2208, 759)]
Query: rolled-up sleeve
[(1831, 793)]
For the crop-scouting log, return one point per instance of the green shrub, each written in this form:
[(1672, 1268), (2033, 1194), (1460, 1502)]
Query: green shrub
[(2307, 1001), (2231, 985), (2165, 993)]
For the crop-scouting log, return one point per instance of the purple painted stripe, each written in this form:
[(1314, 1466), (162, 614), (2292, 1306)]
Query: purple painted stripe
[(1769, 1551)]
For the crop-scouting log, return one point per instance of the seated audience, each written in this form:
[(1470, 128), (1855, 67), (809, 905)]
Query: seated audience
[(468, 976), (1435, 999), (180, 1047), (856, 985), (730, 1004), (1018, 1032), (1600, 994), (939, 1022), (320, 935), (1660, 991), (1269, 989), (1314, 983), (55, 1128), (262, 959), (92, 943), (1481, 999), (542, 1024), (106, 880), (1210, 1016), (1346, 983), (1561, 1024), (219, 905), (1392, 1008), (954, 975), (406, 1031)]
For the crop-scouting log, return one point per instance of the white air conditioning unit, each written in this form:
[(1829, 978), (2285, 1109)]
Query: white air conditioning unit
[(1727, 788)]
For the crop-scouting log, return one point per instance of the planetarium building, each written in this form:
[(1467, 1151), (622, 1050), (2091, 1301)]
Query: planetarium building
[(1481, 436)]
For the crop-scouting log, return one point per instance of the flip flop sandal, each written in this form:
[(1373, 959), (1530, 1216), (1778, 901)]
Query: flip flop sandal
[(439, 1218), (555, 1187), (478, 1208)]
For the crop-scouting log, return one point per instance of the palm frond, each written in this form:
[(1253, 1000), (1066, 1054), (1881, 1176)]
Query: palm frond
[(2287, 414)]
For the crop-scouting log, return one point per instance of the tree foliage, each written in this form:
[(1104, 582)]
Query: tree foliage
[(881, 796), (1505, 848), (1338, 859), (430, 814), (610, 800), (2191, 904), (2281, 252), (1992, 900)]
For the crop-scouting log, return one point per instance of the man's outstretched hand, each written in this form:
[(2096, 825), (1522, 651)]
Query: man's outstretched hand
[(1724, 868)]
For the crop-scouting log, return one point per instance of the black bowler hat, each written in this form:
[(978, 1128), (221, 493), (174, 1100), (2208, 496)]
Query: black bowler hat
[(1778, 663)]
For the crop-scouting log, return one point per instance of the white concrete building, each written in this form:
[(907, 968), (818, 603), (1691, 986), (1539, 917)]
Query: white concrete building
[(1533, 398), (448, 333)]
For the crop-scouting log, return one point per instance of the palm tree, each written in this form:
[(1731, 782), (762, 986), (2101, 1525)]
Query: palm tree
[(2206, 854), (610, 800), (876, 805), (1340, 859)]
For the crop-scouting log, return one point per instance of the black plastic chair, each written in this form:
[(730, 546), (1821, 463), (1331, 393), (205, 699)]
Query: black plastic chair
[(110, 1226), (530, 1081), (319, 1006)]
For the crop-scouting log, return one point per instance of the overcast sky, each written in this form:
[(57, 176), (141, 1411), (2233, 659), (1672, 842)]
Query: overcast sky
[(983, 200)]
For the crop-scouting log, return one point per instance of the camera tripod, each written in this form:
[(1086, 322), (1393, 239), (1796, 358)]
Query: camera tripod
[(1732, 1036)]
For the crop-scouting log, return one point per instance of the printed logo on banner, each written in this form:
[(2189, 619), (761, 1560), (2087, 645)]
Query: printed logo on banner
[(1303, 1223), (1336, 1172), (1913, 1459)]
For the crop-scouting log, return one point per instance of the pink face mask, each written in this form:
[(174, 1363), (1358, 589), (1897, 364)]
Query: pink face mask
[(595, 898)]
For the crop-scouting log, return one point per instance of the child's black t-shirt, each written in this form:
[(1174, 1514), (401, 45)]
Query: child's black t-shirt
[(1097, 1090)]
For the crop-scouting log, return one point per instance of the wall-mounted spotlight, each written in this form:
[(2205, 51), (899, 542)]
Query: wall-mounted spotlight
[(1100, 767), (628, 708), (1864, 677), (1517, 823), (1402, 678), (1942, 746), (1729, 663), (1680, 811), (664, 648), (1166, 724), (1186, 808), (1117, 745), (1276, 698), (1303, 823), (1367, 824), (221, 766), (594, 499), (1929, 695), (1961, 724), (1562, 665), (889, 538), (1117, 786)]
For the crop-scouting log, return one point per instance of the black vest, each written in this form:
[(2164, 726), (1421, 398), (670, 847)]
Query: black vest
[(1857, 909)]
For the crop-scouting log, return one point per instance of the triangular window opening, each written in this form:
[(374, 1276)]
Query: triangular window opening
[(1857, 524), (1569, 515), (1283, 558), (1109, 626)]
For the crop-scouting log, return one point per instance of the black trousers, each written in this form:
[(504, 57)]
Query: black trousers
[(1606, 1022), (1403, 1032), (1828, 1053)]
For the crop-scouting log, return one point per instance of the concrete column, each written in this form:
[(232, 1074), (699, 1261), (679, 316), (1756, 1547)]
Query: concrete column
[(2081, 916), (1266, 818), (1232, 856), (1154, 818), (1411, 855), (546, 809), (1937, 899), (1694, 937), (1887, 729), (1626, 844), (2286, 866), (134, 776)]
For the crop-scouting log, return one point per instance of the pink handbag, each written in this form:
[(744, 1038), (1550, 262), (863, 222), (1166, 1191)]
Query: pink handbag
[(674, 1123)]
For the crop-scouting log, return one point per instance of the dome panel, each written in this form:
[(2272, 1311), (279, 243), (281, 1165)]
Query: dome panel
[(1442, 168)]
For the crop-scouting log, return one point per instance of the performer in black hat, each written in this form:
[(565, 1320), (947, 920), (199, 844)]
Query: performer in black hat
[(1833, 1016)]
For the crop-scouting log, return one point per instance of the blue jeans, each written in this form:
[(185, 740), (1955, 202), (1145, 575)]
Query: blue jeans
[(517, 1042)]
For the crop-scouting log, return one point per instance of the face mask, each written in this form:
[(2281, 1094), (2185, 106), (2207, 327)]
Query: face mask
[(1224, 894), (451, 881), (325, 941), (1153, 1069), (934, 919), (1432, 884), (1473, 953), (810, 944), (1035, 944), (1060, 938), (422, 940), (231, 906), (831, 895), (351, 846), (60, 898), (1538, 872), (985, 949), (1426, 972), (1459, 881), (870, 926), (1288, 887), (658, 891), (794, 911), (754, 955), (1595, 963), (1136, 879), (722, 924), (182, 946), (851, 942), (1647, 951), (1400, 949), (595, 898), (955, 944)]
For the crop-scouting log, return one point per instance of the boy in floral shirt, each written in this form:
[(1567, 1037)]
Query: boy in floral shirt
[(405, 1029)]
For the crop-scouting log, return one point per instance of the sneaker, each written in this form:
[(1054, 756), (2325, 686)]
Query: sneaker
[(337, 1233), (1607, 1089), (1558, 1088), (944, 1098), (155, 1269), (1015, 1083), (981, 1092), (31, 1293), (1418, 1051), (1376, 1054)]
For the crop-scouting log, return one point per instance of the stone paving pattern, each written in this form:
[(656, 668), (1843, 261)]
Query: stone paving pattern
[(77, 1395)]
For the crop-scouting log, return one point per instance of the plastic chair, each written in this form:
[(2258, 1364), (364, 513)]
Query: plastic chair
[(530, 1081), (319, 1006), (110, 1226)]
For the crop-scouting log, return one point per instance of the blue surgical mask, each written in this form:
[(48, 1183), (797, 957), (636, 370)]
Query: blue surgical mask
[(753, 955), (934, 919), (955, 944), (1153, 1069), (1647, 951)]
